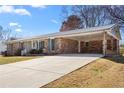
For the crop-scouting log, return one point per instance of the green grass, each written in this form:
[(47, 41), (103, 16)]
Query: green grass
[(7, 60)]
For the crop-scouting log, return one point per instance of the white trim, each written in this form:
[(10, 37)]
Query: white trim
[(32, 44), (79, 34), (104, 44), (112, 44), (112, 35), (51, 37)]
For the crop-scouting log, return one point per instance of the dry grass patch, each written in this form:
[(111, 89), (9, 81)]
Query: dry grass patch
[(104, 72)]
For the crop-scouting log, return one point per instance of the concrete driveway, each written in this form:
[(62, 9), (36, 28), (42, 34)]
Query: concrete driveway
[(41, 71)]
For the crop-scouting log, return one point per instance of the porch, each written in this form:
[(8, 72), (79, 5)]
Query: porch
[(96, 42)]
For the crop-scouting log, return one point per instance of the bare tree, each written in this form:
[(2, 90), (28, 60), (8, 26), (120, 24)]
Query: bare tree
[(1, 32), (64, 13), (96, 15), (91, 15), (5, 34), (115, 13)]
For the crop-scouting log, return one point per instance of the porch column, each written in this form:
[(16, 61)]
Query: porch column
[(104, 44), (32, 44), (79, 46), (117, 47), (112, 44), (38, 44), (50, 46)]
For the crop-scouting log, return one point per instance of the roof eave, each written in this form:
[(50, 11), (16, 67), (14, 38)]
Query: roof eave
[(60, 34)]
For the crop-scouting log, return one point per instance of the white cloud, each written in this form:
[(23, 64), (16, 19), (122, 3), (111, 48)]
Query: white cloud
[(22, 12), (19, 25), (54, 21), (6, 9), (12, 9), (38, 6), (13, 24), (18, 30), (16, 26)]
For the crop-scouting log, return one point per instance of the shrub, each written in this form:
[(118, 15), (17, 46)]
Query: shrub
[(4, 53), (35, 51), (40, 51), (18, 52)]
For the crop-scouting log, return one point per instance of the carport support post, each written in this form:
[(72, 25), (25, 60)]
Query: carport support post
[(79, 46), (104, 44), (117, 47)]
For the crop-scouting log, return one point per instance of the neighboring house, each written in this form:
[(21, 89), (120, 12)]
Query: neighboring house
[(2, 47), (102, 39)]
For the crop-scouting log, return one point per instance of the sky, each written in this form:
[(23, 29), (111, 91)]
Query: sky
[(32, 20)]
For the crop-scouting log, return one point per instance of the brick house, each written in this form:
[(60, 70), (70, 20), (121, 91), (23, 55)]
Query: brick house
[(102, 40)]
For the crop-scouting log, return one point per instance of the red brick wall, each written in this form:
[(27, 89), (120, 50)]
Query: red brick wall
[(109, 45), (93, 47), (112, 44), (13, 48), (71, 46), (66, 45), (115, 44)]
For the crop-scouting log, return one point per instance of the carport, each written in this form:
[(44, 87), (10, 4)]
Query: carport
[(100, 40)]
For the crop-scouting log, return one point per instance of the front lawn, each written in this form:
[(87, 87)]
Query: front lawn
[(7, 60), (104, 72)]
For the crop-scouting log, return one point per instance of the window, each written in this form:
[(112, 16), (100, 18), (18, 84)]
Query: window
[(86, 44), (109, 47), (36, 44), (22, 45), (33, 44), (41, 44), (53, 44)]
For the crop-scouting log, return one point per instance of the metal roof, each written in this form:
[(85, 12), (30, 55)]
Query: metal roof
[(76, 31)]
